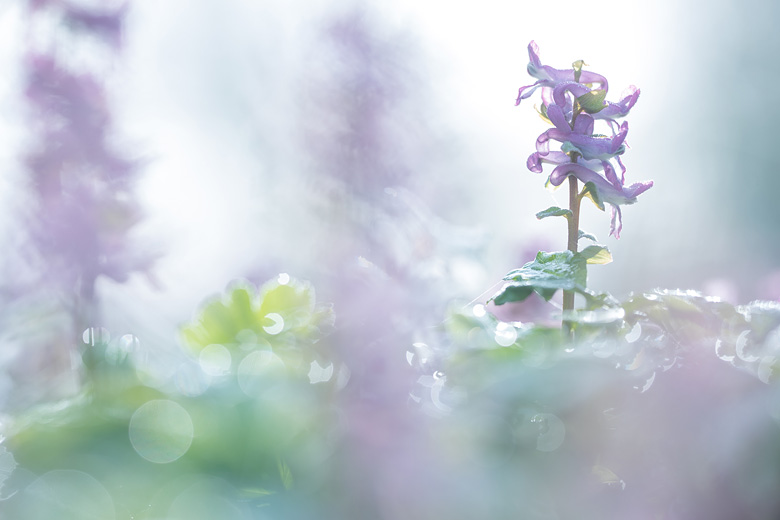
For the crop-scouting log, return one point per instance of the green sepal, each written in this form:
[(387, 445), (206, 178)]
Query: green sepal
[(592, 192), (543, 113), (554, 211), (577, 66), (596, 254), (569, 148), (593, 101)]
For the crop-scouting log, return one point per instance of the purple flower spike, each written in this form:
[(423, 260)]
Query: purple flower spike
[(550, 77), (573, 106)]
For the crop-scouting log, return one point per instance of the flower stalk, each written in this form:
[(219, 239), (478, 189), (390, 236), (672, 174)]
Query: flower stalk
[(573, 100)]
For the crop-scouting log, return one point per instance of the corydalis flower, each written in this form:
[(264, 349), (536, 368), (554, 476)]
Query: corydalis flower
[(572, 105), (550, 77)]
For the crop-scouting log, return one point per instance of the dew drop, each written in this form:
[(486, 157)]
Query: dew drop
[(720, 351), (634, 334), (766, 369), (320, 374), (129, 342), (551, 431), (479, 310), (436, 391), (343, 376), (96, 336), (741, 344), (277, 326), (283, 279), (647, 385), (421, 356), (126, 346), (668, 363), (505, 334), (637, 362)]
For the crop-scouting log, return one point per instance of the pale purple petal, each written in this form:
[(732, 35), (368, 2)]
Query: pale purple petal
[(622, 107), (557, 118), (584, 124), (610, 193), (526, 92), (617, 215), (560, 90), (551, 77), (536, 159)]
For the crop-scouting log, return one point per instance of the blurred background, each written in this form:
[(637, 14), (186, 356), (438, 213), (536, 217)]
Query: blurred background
[(353, 143), (156, 152)]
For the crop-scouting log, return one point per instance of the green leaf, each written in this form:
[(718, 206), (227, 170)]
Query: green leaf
[(582, 234), (596, 255), (593, 101), (545, 275), (553, 211), (592, 192), (279, 313)]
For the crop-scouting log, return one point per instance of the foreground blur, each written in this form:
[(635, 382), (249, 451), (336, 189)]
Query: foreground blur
[(234, 248)]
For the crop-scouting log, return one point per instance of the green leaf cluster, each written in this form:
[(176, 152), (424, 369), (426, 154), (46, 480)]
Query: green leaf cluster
[(550, 272), (282, 315)]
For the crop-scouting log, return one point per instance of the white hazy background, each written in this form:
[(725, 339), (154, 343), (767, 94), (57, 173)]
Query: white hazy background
[(213, 95)]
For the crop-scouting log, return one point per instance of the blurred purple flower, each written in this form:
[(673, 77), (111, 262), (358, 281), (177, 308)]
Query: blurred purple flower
[(81, 185), (104, 23)]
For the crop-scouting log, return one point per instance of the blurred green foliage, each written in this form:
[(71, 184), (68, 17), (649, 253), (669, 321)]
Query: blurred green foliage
[(259, 423)]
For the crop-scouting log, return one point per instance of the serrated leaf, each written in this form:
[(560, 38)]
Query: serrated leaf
[(596, 255), (581, 234), (593, 101), (553, 211), (548, 273), (592, 192)]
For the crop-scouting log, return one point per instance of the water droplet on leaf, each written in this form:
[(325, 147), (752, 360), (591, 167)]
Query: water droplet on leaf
[(277, 323)]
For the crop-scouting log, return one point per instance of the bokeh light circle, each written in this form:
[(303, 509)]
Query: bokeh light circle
[(161, 431), (65, 495), (215, 360)]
